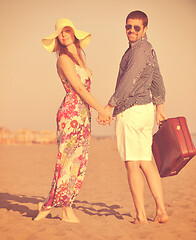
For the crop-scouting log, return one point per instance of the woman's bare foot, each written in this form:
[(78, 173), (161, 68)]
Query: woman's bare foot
[(69, 216), (40, 205), (42, 213), (161, 218)]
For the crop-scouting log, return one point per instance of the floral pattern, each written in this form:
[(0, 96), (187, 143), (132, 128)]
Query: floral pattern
[(73, 135)]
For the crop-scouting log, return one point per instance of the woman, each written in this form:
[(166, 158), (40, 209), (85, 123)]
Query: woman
[(73, 118)]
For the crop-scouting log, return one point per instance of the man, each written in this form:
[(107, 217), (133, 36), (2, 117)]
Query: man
[(139, 86)]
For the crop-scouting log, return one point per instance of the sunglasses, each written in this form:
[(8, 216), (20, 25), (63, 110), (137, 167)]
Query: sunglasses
[(136, 28)]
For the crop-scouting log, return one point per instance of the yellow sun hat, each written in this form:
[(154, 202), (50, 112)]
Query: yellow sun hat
[(51, 44)]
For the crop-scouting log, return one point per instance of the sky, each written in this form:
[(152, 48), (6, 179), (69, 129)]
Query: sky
[(30, 89)]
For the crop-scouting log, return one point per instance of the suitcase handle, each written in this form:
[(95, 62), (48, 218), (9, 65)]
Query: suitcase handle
[(162, 122)]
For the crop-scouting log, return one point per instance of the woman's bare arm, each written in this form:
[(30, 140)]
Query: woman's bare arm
[(67, 67)]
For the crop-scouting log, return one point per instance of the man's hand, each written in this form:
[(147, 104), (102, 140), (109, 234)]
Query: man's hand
[(160, 114), (106, 116)]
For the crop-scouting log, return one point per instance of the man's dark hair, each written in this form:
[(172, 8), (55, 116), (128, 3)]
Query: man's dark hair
[(138, 15)]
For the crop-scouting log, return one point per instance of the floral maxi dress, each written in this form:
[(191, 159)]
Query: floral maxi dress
[(73, 135)]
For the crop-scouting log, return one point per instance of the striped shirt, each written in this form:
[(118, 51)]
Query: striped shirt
[(139, 79)]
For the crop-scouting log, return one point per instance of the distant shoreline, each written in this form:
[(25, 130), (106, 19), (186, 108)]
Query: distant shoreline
[(26, 136)]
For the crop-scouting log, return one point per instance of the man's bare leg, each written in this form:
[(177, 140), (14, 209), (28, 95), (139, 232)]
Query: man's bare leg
[(136, 185), (154, 182)]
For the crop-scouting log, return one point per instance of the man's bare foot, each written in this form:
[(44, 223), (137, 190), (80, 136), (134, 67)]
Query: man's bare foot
[(69, 216), (139, 221), (161, 218), (42, 213)]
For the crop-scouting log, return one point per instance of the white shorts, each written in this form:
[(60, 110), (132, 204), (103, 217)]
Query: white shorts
[(134, 133)]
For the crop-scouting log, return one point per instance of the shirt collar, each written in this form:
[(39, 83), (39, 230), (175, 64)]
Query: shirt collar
[(138, 42)]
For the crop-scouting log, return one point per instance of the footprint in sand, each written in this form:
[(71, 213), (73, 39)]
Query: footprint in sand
[(145, 235)]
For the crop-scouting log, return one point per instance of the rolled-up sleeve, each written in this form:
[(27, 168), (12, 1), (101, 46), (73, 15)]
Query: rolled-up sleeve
[(128, 76)]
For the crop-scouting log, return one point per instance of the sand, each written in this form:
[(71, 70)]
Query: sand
[(104, 204)]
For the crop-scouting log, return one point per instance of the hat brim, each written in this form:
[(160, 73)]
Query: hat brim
[(50, 42)]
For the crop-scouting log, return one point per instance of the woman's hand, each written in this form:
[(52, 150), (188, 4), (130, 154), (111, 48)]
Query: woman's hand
[(105, 117)]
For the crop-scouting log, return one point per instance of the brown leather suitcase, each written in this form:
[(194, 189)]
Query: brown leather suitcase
[(172, 146)]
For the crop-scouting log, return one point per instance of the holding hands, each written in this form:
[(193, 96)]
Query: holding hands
[(105, 117)]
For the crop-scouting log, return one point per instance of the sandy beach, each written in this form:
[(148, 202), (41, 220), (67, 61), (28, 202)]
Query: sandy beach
[(104, 204)]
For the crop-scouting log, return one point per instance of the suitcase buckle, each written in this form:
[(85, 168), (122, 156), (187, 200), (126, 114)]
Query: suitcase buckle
[(178, 127)]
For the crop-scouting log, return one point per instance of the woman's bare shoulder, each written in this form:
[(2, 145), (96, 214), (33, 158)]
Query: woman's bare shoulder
[(64, 61)]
